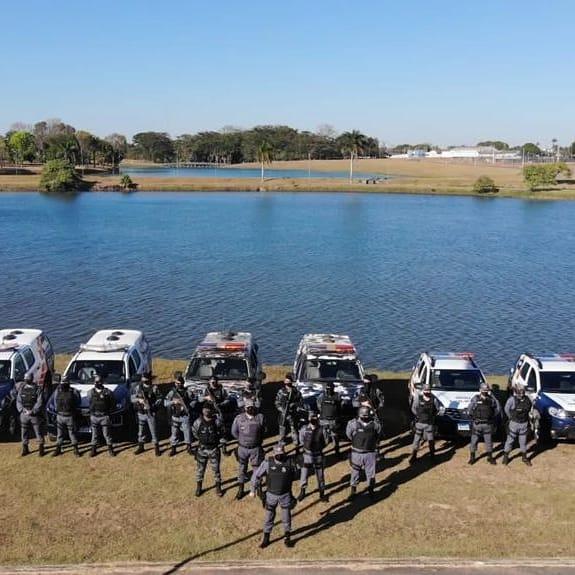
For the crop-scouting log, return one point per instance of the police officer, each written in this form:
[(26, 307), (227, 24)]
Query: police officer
[(250, 393), (289, 402), (281, 472), (517, 409), (181, 404), (101, 401), (66, 403), (217, 396), (424, 409), (249, 429), (147, 400), (371, 396), (363, 432), (483, 409), (329, 407), (30, 405), (208, 429), (313, 440)]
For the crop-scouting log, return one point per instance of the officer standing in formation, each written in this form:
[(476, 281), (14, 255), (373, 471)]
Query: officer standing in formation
[(30, 403), (281, 472), (249, 429), (517, 409), (217, 396), (312, 438), (147, 399), (181, 404), (371, 396), (484, 410), (363, 432), (66, 403), (209, 431), (424, 409), (288, 403), (250, 393), (329, 407), (101, 401)]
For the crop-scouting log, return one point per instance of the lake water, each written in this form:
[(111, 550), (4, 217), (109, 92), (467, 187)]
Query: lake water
[(400, 274), (235, 173)]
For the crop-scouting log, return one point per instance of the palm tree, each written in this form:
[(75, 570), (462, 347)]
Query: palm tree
[(264, 154), (352, 143)]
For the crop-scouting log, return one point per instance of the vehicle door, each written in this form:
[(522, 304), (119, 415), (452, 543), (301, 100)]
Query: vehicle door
[(18, 367), (32, 364)]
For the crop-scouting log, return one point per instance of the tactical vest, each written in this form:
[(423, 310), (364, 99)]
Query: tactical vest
[(313, 439), (365, 437), (148, 395), (250, 432), (329, 407), (99, 401), (280, 477), (208, 434), (520, 413), (484, 411), (29, 395), (426, 411), (65, 401), (176, 408)]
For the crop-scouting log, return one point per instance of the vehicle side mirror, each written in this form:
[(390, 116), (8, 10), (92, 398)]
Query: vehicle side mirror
[(511, 370), (373, 377), (262, 375), (56, 378)]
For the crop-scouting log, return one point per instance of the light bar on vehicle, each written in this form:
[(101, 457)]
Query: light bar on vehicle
[(103, 347), (8, 346), (332, 347), (557, 357), (227, 346), (454, 354)]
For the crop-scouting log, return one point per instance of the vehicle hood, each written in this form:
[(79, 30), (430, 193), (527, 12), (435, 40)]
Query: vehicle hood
[(232, 386), (565, 401), (454, 399), (120, 391), (346, 391)]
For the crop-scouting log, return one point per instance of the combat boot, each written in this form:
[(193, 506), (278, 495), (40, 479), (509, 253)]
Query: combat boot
[(77, 451), (526, 460), (491, 459), (198, 488), (301, 495), (111, 451), (471, 458), (371, 489), (57, 451), (172, 451), (413, 457), (352, 493), (322, 496), (505, 458), (240, 492), (287, 540), (190, 449), (219, 490), (93, 451), (157, 449), (432, 449), (140, 449), (41, 450), (25, 450), (265, 541)]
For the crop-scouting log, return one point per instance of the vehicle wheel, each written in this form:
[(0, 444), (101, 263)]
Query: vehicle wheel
[(541, 432)]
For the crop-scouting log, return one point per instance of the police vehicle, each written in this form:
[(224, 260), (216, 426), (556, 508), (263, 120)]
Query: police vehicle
[(22, 351), (323, 358), (120, 357), (549, 380), (454, 379)]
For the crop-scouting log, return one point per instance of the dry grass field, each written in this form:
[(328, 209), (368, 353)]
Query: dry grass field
[(69, 510)]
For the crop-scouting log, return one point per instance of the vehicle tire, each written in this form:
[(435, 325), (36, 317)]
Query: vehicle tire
[(541, 431)]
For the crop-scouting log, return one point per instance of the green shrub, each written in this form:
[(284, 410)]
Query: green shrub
[(543, 175), (59, 176), (485, 185)]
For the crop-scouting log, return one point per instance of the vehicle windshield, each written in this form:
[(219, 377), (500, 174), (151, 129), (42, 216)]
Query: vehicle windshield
[(331, 370), (84, 371), (5, 367), (558, 381), (465, 380), (225, 368)]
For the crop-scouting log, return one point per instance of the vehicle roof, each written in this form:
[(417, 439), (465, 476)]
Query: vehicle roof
[(223, 343), (555, 361), (12, 339), (327, 345), (113, 342), (452, 360)]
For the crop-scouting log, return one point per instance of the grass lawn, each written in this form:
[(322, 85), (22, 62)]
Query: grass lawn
[(67, 510)]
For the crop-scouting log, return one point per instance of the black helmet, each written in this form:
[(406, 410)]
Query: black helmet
[(329, 386), (28, 378), (365, 413)]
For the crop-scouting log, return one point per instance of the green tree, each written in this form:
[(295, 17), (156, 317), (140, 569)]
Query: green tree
[(59, 176), (352, 143), (485, 185), (22, 147), (497, 144), (118, 147), (4, 151), (153, 146), (544, 175), (264, 155), (530, 149)]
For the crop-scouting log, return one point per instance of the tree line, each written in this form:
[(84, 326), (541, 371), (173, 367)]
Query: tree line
[(55, 140)]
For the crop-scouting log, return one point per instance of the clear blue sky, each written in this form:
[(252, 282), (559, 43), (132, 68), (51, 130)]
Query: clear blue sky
[(449, 72)]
